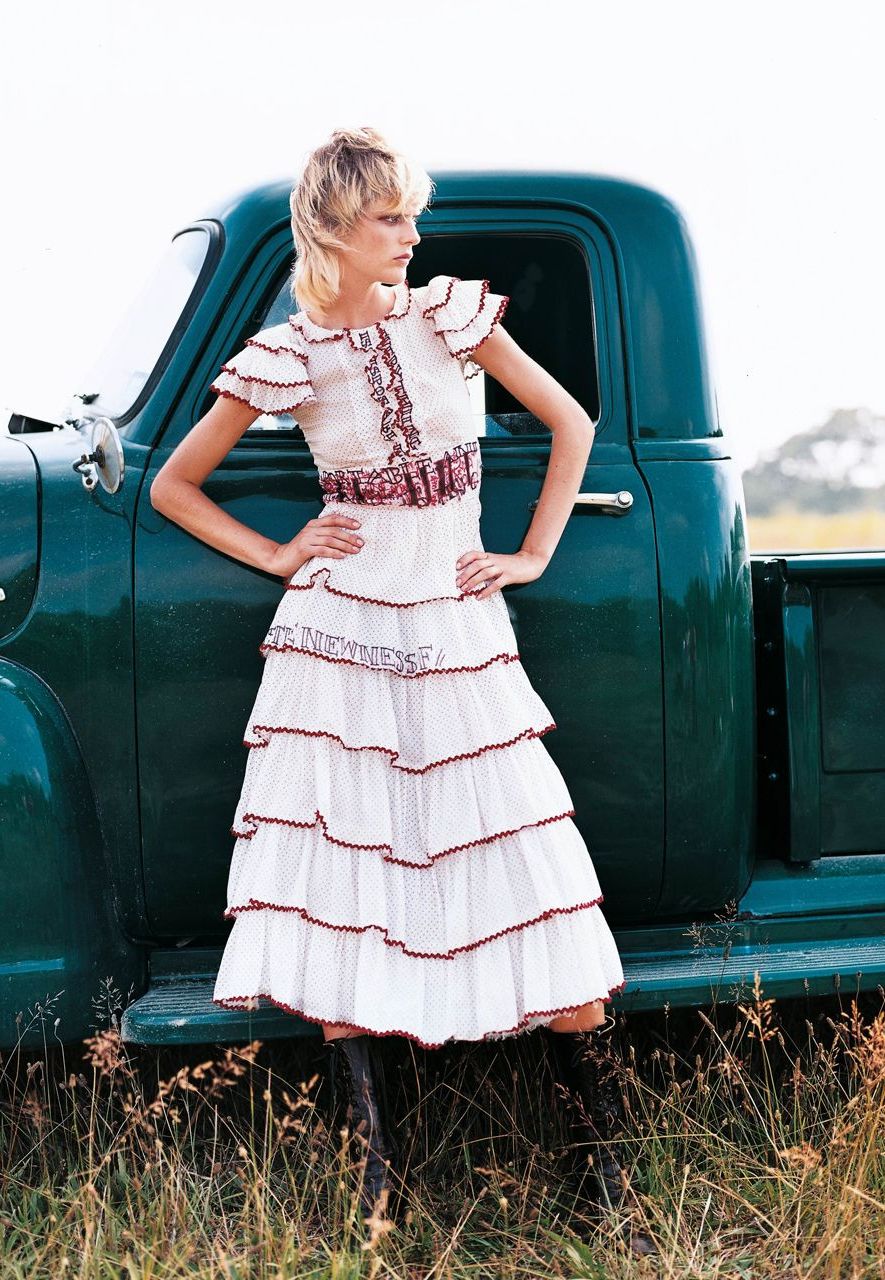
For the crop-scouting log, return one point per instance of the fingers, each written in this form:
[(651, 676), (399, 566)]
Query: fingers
[(476, 569), (343, 545), (492, 581), (335, 517), (338, 537), (472, 566), (335, 535), (470, 563)]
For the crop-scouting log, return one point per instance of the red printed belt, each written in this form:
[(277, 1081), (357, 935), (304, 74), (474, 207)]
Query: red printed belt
[(418, 482)]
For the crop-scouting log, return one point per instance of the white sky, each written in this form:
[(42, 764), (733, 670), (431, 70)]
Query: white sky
[(763, 121)]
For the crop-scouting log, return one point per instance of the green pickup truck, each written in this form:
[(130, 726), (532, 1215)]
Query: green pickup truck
[(720, 715)]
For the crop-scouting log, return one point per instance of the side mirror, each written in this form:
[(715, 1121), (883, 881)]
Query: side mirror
[(105, 464)]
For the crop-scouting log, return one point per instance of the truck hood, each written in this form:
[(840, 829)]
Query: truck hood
[(19, 522)]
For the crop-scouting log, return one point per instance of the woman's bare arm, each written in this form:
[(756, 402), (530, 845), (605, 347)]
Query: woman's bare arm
[(176, 492), (572, 429)]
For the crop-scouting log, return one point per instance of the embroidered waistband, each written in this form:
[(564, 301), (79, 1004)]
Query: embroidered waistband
[(418, 482)]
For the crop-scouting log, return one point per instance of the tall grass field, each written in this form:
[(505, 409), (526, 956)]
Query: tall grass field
[(753, 1137)]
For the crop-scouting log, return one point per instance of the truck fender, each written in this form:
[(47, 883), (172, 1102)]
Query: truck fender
[(61, 941)]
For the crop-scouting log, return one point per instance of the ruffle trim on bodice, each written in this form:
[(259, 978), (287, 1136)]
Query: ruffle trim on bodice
[(270, 374), (302, 323), (463, 313)]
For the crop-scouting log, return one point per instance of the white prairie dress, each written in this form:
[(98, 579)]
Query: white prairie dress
[(406, 861)]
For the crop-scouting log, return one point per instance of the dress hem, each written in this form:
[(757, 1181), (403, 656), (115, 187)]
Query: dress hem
[(240, 1004)]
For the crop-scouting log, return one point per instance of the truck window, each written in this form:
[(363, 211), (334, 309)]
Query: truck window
[(550, 315), (149, 331)]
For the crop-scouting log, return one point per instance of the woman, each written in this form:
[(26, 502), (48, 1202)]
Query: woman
[(406, 862)]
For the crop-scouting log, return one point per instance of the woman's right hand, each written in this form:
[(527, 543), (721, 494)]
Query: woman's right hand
[(326, 535)]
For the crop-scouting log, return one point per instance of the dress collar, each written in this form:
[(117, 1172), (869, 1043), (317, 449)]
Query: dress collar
[(402, 302)]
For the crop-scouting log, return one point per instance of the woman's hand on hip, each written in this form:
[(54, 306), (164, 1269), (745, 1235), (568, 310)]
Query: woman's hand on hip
[(332, 534), (491, 570)]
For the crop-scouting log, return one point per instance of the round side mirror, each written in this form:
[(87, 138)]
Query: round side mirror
[(105, 463)]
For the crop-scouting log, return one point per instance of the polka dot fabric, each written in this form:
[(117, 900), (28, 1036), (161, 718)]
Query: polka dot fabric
[(406, 860)]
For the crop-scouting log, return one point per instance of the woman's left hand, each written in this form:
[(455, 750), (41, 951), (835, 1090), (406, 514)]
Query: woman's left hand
[(492, 570)]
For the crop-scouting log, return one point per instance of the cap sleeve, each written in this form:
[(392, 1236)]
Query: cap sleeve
[(268, 373), (463, 313)]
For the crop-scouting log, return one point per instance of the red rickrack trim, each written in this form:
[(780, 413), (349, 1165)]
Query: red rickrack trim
[(330, 337), (350, 662), (278, 351), (453, 280), (484, 290), (255, 904), (463, 351), (397, 604), (232, 395), (265, 382), (394, 755), (334, 335), (377, 848), (458, 328), (240, 1004), (398, 315)]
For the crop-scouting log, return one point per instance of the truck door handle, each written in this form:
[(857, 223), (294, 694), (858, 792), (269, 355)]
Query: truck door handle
[(613, 504)]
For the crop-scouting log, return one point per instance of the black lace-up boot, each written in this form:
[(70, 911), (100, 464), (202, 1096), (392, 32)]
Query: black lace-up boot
[(357, 1080), (583, 1066)]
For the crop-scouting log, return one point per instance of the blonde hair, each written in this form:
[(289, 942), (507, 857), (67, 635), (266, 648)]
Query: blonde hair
[(340, 179)]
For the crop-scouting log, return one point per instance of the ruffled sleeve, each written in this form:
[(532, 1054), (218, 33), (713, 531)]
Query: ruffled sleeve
[(270, 374), (463, 313)]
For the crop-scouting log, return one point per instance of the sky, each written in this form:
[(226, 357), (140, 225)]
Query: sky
[(762, 121)]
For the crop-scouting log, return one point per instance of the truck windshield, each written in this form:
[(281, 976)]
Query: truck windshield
[(149, 330)]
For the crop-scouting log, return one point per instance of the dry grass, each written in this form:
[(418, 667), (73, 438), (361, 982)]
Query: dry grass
[(754, 1132), (861, 530)]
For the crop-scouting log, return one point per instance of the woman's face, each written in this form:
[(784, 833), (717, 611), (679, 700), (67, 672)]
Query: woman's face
[(381, 243)]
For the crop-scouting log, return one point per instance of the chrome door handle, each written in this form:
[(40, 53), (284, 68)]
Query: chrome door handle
[(613, 504)]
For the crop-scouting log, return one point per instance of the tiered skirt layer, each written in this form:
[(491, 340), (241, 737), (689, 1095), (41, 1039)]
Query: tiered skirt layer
[(406, 860)]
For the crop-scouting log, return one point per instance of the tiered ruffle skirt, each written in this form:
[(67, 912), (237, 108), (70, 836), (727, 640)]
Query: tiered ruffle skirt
[(406, 862)]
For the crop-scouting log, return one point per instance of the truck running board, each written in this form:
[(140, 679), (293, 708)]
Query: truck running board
[(177, 1008)]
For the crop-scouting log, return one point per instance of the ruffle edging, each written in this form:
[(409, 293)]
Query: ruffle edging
[(268, 374), (360, 802), (256, 820), (409, 555), (274, 646), (548, 914), (417, 723), (327, 585), (442, 637), (511, 983), (264, 732), (535, 1018), (464, 313), (431, 912)]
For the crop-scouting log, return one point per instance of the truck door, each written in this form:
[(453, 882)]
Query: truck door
[(588, 630)]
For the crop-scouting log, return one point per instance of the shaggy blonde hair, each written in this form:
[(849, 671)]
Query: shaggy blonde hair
[(339, 181)]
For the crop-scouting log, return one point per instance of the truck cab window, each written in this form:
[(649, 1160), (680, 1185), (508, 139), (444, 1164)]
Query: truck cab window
[(550, 315)]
